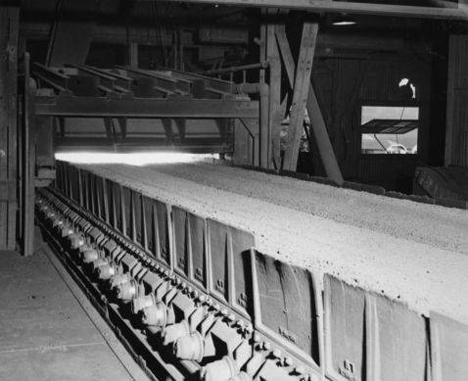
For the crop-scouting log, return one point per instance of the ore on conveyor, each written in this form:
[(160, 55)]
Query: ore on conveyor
[(411, 252)]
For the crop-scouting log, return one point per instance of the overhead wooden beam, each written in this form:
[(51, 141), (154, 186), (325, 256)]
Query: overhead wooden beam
[(300, 92), (390, 10), (319, 128)]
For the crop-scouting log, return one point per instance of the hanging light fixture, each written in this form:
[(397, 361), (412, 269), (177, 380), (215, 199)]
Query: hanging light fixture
[(344, 20)]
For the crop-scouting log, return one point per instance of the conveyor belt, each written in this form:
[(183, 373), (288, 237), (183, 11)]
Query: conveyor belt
[(191, 285), (393, 247)]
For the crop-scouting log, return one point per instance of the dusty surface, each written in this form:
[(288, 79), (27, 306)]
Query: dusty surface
[(411, 252), (438, 226), (45, 334)]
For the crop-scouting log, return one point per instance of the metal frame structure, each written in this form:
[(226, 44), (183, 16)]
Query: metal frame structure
[(123, 93)]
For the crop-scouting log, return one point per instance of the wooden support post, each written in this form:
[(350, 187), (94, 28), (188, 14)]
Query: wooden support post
[(181, 49), (317, 121), (123, 128), (29, 160), (286, 54), (180, 124), (319, 128), (109, 125), (44, 143), (274, 110), (133, 54), (246, 142), (300, 92), (167, 125), (456, 140), (9, 22), (264, 102)]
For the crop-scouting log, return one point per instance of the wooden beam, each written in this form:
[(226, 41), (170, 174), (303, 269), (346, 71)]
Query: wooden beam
[(180, 124), (28, 160), (389, 10), (300, 92), (9, 171), (286, 54), (264, 138), (319, 128), (456, 140), (317, 121), (133, 55), (273, 57)]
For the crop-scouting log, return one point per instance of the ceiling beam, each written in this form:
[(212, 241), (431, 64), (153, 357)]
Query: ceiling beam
[(451, 13)]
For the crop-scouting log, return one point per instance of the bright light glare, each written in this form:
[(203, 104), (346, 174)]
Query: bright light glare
[(403, 82), (137, 159), (344, 23)]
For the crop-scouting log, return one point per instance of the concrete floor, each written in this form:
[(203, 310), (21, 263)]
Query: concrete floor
[(46, 334)]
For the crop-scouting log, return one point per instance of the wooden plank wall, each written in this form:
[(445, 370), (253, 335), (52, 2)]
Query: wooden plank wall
[(8, 127), (344, 84), (456, 142)]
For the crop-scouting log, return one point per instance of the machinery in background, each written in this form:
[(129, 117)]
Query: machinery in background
[(83, 108), (130, 109)]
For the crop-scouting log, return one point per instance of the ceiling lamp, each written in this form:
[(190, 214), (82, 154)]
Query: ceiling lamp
[(344, 20)]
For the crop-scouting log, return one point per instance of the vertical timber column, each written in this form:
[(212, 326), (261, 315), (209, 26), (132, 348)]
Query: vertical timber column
[(317, 121), (264, 102), (300, 94), (29, 159), (133, 54), (274, 111), (456, 140), (9, 18)]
